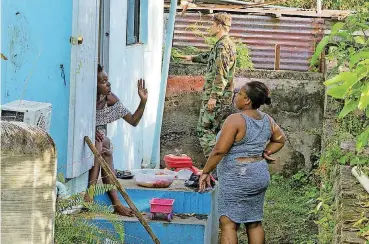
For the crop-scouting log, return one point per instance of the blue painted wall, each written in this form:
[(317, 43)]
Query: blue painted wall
[(167, 233), (185, 202), (35, 38)]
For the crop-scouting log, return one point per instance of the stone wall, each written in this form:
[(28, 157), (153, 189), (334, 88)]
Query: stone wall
[(297, 105), (349, 195)]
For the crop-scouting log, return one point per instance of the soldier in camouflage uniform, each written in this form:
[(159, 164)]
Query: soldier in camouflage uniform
[(216, 100)]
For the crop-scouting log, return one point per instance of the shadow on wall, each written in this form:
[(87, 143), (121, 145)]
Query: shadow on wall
[(28, 175), (297, 106)]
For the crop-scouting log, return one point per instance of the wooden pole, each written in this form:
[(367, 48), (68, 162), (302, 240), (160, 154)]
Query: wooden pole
[(120, 188), (322, 62), (277, 56), (319, 7)]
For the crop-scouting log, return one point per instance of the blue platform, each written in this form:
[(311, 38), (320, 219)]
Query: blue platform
[(195, 215)]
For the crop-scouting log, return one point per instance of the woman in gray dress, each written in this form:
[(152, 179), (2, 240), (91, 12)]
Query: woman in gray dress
[(243, 149)]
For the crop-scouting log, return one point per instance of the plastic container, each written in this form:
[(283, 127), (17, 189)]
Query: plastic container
[(184, 174), (161, 206), (193, 169), (154, 178), (173, 161)]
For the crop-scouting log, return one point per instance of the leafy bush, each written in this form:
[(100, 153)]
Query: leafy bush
[(327, 4), (349, 47), (81, 227)]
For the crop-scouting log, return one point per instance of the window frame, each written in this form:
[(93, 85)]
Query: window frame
[(136, 23)]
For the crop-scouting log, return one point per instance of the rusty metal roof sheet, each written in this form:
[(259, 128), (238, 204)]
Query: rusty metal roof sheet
[(297, 37)]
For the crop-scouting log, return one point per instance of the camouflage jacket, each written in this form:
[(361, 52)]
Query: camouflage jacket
[(221, 64)]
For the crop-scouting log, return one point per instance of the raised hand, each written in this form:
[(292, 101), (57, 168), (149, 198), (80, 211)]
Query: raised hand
[(142, 91)]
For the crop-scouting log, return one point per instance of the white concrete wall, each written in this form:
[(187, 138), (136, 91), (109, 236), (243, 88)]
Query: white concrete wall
[(126, 65), (132, 145)]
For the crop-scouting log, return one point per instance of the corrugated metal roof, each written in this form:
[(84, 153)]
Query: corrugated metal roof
[(297, 37)]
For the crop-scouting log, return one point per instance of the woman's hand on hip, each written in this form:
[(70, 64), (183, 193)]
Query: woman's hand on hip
[(267, 157)]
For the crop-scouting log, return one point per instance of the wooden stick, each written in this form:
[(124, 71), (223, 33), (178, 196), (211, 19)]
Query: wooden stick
[(264, 4), (120, 188), (277, 56), (322, 62)]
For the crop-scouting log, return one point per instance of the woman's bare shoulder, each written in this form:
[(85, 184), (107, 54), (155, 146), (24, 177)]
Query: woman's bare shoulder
[(235, 118), (112, 99), (269, 117)]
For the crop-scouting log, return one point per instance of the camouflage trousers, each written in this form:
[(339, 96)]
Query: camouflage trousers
[(210, 123)]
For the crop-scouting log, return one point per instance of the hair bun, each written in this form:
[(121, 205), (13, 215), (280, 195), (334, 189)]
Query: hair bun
[(268, 101)]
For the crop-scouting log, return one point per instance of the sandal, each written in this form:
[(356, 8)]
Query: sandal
[(125, 174)]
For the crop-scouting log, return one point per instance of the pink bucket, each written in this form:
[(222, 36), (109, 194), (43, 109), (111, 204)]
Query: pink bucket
[(161, 205)]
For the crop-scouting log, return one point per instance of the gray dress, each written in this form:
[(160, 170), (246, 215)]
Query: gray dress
[(242, 186)]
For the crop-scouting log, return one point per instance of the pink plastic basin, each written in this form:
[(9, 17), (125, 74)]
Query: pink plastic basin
[(161, 205)]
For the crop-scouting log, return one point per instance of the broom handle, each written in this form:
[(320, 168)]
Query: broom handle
[(120, 188)]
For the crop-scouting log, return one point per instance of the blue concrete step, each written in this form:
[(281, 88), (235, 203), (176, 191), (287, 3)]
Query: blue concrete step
[(181, 230), (187, 201), (195, 214)]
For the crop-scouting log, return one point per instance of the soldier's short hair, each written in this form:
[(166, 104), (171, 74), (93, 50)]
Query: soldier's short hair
[(223, 19)]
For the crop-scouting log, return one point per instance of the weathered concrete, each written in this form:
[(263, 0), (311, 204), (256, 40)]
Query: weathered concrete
[(349, 194), (297, 105), (28, 175), (191, 69), (180, 120)]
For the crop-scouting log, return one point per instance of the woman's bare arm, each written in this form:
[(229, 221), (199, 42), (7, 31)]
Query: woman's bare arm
[(276, 142), (133, 119)]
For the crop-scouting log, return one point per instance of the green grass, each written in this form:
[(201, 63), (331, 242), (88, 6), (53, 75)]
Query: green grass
[(287, 217)]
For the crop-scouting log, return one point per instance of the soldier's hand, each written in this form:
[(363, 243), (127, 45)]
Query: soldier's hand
[(186, 57), (211, 104)]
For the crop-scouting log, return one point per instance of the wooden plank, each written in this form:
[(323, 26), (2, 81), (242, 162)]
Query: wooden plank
[(277, 56), (336, 14), (322, 62)]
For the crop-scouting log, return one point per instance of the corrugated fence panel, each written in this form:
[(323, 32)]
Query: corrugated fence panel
[(297, 37)]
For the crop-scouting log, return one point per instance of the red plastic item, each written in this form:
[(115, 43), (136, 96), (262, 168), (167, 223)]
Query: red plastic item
[(162, 206), (173, 161), (181, 158), (177, 163)]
